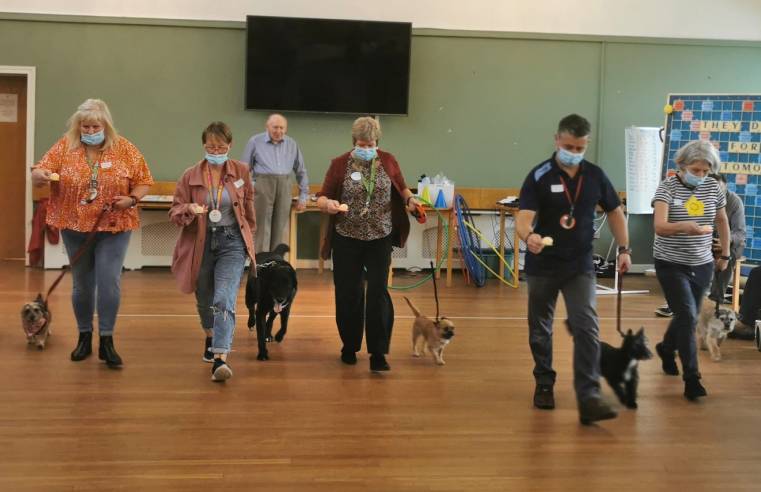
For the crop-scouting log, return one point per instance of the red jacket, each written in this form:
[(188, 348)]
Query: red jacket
[(193, 188), (332, 186)]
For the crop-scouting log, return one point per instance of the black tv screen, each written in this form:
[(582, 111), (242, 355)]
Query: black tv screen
[(326, 65)]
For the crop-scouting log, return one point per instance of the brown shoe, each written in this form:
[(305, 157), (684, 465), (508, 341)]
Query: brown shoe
[(595, 409), (544, 397), (742, 331)]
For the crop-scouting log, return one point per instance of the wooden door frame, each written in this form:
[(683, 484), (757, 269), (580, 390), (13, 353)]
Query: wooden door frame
[(30, 73)]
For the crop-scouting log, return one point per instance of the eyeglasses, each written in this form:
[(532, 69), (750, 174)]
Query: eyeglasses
[(216, 148)]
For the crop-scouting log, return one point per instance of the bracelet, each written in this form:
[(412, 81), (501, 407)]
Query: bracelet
[(134, 201), (727, 258), (624, 250), (407, 202)]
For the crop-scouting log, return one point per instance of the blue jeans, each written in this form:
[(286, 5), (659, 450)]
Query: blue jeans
[(579, 293), (99, 269), (684, 287), (224, 257)]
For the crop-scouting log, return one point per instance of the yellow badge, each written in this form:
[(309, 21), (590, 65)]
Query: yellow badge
[(695, 208)]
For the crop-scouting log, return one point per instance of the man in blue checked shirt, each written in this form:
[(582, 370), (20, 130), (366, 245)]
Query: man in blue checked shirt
[(273, 155)]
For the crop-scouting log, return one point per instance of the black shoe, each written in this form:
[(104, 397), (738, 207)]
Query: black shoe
[(378, 363), (693, 389), (349, 358), (595, 409), (107, 352), (668, 360), (208, 355), (84, 346), (221, 371), (544, 397)]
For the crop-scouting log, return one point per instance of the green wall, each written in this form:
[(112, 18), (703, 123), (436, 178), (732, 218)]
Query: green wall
[(483, 106)]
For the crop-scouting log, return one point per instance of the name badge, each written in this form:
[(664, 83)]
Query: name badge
[(238, 183), (356, 176), (556, 188), (105, 165), (678, 202)]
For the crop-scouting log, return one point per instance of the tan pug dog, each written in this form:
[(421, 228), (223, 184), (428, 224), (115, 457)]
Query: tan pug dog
[(433, 335), (35, 321), (713, 327)]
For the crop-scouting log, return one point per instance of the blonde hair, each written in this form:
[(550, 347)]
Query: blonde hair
[(365, 128), (91, 110)]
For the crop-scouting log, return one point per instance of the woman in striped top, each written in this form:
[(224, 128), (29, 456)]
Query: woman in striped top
[(686, 207)]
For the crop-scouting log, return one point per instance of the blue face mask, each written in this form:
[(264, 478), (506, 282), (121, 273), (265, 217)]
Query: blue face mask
[(92, 138), (569, 158), (365, 154), (216, 159), (692, 180)]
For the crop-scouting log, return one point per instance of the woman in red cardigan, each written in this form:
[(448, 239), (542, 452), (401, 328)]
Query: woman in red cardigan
[(365, 192)]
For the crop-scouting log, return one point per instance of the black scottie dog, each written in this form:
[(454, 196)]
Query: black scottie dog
[(619, 365)]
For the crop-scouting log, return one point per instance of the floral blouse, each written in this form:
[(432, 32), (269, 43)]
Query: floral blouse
[(120, 169), (358, 223)]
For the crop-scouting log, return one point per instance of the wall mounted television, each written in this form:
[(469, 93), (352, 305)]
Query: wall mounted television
[(327, 65)]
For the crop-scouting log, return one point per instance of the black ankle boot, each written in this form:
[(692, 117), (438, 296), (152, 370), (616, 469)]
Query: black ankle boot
[(693, 389), (107, 352), (378, 363), (84, 346)]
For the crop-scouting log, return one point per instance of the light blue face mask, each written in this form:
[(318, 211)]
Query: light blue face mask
[(216, 159), (692, 180), (93, 138), (365, 154), (569, 158)]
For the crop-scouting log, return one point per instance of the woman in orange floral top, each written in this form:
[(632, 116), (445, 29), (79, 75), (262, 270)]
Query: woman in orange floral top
[(89, 168)]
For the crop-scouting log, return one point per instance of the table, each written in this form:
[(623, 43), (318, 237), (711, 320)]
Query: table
[(512, 211)]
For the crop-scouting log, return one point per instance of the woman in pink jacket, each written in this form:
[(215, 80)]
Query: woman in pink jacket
[(214, 204)]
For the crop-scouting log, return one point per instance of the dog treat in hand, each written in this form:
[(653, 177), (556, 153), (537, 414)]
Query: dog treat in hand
[(196, 208), (548, 241), (343, 207), (54, 177)]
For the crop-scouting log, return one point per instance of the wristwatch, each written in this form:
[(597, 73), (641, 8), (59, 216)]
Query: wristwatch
[(624, 249), (134, 201), (724, 258)]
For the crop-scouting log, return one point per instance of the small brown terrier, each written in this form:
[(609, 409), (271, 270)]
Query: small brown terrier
[(433, 335), (35, 321)]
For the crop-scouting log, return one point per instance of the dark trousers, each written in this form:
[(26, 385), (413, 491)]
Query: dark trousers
[(751, 301), (358, 310), (579, 294), (684, 287)]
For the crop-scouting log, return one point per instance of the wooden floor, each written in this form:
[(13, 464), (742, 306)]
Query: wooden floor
[(303, 421)]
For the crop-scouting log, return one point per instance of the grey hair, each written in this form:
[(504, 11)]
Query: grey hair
[(365, 128), (698, 150)]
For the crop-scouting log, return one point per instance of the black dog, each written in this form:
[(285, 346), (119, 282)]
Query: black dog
[(269, 293), (619, 365)]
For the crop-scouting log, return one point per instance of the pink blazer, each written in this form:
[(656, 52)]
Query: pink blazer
[(193, 188)]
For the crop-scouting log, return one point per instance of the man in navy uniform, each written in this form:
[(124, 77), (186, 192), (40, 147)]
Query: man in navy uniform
[(556, 220)]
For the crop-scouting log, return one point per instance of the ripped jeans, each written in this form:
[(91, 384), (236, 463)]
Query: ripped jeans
[(224, 257)]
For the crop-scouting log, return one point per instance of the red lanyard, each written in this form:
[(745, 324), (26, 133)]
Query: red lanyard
[(218, 203), (568, 194)]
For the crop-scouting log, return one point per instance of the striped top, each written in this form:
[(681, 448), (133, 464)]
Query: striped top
[(688, 204)]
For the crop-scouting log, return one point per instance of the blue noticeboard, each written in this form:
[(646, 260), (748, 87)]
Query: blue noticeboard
[(732, 122)]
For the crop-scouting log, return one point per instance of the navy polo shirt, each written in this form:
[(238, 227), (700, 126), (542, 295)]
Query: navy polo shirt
[(543, 193)]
